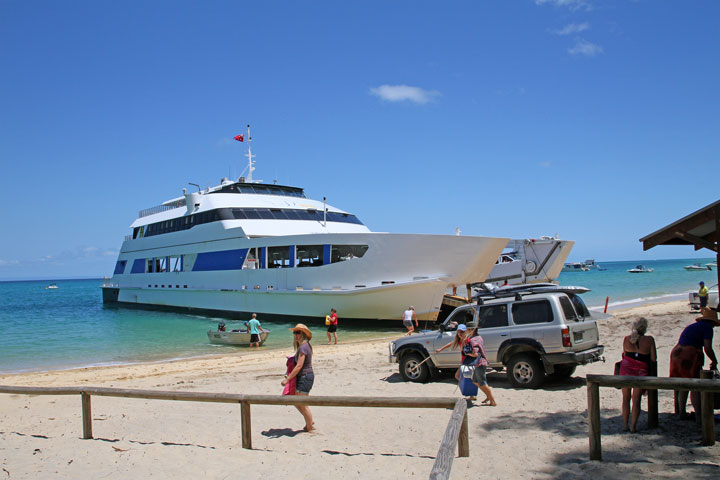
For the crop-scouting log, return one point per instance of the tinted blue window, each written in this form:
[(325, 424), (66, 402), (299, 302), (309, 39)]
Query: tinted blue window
[(222, 260), (120, 267), (138, 266)]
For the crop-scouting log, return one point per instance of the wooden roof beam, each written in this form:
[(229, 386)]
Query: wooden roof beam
[(697, 241)]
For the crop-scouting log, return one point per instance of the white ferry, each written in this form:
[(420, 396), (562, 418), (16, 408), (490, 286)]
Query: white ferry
[(243, 247)]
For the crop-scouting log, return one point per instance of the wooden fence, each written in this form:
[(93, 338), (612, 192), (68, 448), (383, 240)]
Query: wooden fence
[(457, 432), (652, 384)]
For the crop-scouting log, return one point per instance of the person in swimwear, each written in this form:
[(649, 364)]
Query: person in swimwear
[(639, 355)]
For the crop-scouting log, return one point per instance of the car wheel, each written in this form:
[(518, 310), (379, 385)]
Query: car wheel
[(525, 371), (412, 369), (564, 371)]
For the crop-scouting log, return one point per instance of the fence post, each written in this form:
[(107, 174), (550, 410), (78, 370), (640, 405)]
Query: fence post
[(464, 438), (652, 408), (707, 413), (245, 425), (593, 394), (86, 415)]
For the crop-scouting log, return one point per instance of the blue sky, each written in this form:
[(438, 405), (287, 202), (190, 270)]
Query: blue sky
[(596, 121)]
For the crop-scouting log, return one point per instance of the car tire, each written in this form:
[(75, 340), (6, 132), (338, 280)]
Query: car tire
[(525, 371), (564, 371), (408, 370)]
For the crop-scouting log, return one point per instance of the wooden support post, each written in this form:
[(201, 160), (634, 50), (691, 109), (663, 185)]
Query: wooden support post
[(593, 394), (707, 413), (464, 438), (652, 408), (86, 415), (245, 425)]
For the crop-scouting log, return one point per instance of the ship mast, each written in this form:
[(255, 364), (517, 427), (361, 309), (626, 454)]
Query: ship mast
[(250, 167)]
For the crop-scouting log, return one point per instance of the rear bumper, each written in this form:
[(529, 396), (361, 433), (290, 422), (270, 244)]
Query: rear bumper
[(577, 358)]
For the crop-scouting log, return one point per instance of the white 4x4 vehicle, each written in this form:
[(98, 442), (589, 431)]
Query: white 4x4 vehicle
[(530, 330)]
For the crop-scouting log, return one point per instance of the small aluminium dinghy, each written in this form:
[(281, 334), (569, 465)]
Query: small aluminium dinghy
[(234, 337)]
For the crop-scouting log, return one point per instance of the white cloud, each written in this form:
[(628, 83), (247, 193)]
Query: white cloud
[(583, 47), (546, 164), (8, 263), (404, 93), (571, 4), (572, 28)]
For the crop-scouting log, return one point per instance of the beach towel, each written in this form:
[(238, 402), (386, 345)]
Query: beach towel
[(686, 361), (292, 383), (636, 368)]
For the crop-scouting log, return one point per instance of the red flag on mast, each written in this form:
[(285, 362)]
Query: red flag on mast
[(239, 138)]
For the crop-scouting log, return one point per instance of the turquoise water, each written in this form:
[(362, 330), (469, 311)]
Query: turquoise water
[(668, 281), (70, 327)]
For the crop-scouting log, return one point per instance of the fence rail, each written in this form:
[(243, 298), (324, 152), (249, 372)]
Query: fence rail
[(457, 431), (653, 384)]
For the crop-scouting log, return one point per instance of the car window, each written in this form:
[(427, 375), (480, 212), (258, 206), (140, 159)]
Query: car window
[(568, 309), (532, 312), (460, 315), (490, 316), (579, 305)]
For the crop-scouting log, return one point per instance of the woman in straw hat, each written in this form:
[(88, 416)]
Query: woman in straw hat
[(686, 358), (303, 370)]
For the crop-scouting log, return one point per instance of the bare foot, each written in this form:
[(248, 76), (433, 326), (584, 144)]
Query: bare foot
[(491, 404)]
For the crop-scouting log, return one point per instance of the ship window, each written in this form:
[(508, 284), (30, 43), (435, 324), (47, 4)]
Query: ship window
[(309, 256), (292, 214), (120, 267), (252, 259), (176, 263), (278, 257), (278, 214), (339, 253), (150, 263), (264, 213), (252, 214), (239, 214)]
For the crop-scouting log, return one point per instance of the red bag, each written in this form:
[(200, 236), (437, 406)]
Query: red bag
[(292, 383)]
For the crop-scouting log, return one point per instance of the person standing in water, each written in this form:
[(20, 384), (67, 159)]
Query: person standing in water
[(332, 326)]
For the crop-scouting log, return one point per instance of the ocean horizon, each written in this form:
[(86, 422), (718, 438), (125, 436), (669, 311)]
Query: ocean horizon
[(71, 328)]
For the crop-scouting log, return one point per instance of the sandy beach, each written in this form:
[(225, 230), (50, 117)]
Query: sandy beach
[(531, 433)]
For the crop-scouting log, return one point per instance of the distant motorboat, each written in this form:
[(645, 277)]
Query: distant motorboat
[(575, 267), (710, 265), (234, 337), (640, 269), (52, 286), (590, 264), (697, 266)]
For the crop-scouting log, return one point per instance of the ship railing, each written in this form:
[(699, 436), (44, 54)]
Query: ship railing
[(456, 433), (108, 283), (161, 208)]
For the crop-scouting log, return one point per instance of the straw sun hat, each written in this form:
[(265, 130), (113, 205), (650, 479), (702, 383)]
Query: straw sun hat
[(301, 327), (709, 314)]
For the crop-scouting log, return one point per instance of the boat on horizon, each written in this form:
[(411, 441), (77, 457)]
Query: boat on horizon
[(697, 266), (245, 247), (575, 267), (641, 269), (52, 286)]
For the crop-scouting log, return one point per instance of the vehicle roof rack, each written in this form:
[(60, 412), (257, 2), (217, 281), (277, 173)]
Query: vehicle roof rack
[(486, 291)]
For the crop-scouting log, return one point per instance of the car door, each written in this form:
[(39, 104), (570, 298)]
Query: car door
[(493, 327), (450, 357)]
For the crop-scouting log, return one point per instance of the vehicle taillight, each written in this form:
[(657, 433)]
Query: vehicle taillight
[(566, 337)]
